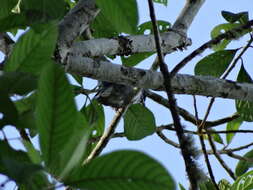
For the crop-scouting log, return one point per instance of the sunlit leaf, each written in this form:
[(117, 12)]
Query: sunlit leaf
[(222, 28), (244, 182)]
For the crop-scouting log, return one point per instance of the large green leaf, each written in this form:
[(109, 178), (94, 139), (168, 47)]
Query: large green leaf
[(116, 17), (139, 122), (244, 182), (243, 166), (122, 170), (233, 125), (215, 64), (221, 29), (241, 17), (62, 131), (17, 83), (33, 50), (244, 108)]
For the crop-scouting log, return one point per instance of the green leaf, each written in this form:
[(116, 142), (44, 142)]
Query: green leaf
[(215, 64), (244, 182), (6, 7), (243, 166), (207, 185), (8, 109), (244, 108), (17, 166), (134, 59), (164, 2), (48, 9), (94, 113), (221, 29), (233, 125), (217, 138), (62, 131), (181, 187), (17, 83), (115, 17), (139, 122), (224, 185), (145, 27), (134, 171), (78, 78), (30, 12), (33, 50), (241, 17), (33, 154), (75, 151)]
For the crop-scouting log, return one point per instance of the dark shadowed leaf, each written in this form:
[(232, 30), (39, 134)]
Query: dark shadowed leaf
[(215, 64), (17, 83), (243, 166), (233, 125), (244, 108), (181, 187), (8, 109), (94, 113), (62, 130), (6, 7), (116, 17), (139, 122), (244, 182), (241, 17), (17, 165), (122, 170), (33, 50), (33, 154)]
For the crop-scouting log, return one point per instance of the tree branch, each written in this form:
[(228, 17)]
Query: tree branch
[(187, 115), (74, 24), (187, 15), (181, 84), (127, 45)]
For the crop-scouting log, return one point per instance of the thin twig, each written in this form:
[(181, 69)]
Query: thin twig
[(106, 136), (229, 35), (203, 146), (186, 115), (189, 163), (217, 155)]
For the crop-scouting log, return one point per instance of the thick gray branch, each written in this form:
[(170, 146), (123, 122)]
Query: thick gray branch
[(181, 84), (129, 44), (187, 15), (74, 24)]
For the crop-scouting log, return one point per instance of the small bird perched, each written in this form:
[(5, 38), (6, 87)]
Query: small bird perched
[(118, 95)]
